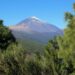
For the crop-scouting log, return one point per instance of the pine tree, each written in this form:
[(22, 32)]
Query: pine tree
[(60, 52), (6, 37)]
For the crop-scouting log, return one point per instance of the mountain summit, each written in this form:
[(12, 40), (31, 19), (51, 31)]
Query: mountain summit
[(34, 28), (34, 24), (34, 17)]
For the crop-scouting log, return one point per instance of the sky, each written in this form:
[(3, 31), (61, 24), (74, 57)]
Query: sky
[(51, 11)]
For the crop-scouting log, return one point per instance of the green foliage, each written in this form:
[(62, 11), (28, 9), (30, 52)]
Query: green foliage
[(32, 46), (6, 36), (12, 61), (57, 59), (74, 6)]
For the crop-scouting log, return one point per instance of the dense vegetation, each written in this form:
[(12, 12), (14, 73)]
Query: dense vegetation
[(6, 37), (31, 46), (58, 58)]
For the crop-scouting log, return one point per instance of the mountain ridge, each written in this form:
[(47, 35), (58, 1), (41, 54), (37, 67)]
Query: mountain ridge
[(34, 28)]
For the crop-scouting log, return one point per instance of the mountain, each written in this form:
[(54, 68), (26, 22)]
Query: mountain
[(35, 29)]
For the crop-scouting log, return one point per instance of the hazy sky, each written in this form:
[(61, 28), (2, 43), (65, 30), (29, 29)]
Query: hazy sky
[(52, 11)]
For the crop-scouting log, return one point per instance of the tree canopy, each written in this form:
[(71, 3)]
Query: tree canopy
[(6, 37)]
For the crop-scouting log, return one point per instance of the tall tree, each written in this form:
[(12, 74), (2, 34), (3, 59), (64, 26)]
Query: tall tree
[(68, 51), (60, 52), (6, 37)]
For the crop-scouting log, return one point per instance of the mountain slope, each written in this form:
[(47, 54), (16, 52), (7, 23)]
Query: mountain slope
[(35, 29)]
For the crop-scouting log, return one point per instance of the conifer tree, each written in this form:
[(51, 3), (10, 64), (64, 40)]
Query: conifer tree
[(60, 52), (6, 37)]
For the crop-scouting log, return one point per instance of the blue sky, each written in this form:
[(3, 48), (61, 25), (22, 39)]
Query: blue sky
[(52, 11)]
